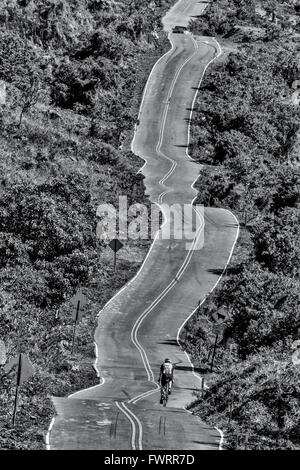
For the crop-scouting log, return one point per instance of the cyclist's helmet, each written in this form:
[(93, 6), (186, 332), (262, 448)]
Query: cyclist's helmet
[(167, 360)]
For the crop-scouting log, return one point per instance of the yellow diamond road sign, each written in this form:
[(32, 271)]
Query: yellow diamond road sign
[(116, 245)]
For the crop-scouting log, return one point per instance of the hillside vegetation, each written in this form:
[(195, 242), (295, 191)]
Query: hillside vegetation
[(245, 132), (74, 71)]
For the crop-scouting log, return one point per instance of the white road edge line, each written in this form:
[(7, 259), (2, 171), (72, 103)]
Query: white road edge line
[(133, 426), (47, 439), (222, 438), (140, 437), (144, 395)]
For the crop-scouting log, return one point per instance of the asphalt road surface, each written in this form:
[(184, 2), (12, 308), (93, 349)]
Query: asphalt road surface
[(140, 326)]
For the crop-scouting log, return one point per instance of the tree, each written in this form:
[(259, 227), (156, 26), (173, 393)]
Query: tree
[(275, 242)]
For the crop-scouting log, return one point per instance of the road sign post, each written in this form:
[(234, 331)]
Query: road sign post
[(24, 371), (79, 302), (202, 387), (75, 325), (115, 245)]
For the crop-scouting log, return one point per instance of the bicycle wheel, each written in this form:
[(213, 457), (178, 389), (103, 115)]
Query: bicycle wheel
[(165, 395), (162, 395)]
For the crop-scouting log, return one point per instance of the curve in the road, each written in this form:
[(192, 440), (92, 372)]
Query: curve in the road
[(178, 271), (134, 333), (160, 199), (139, 321)]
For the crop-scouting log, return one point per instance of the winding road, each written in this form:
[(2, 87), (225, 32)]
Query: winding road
[(141, 325)]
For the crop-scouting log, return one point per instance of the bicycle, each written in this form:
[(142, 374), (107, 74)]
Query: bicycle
[(165, 393)]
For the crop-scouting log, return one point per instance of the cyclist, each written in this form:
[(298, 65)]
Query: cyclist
[(166, 375)]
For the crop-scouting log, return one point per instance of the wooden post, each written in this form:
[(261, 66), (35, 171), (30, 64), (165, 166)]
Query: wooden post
[(17, 390), (202, 387), (115, 261), (75, 325)]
